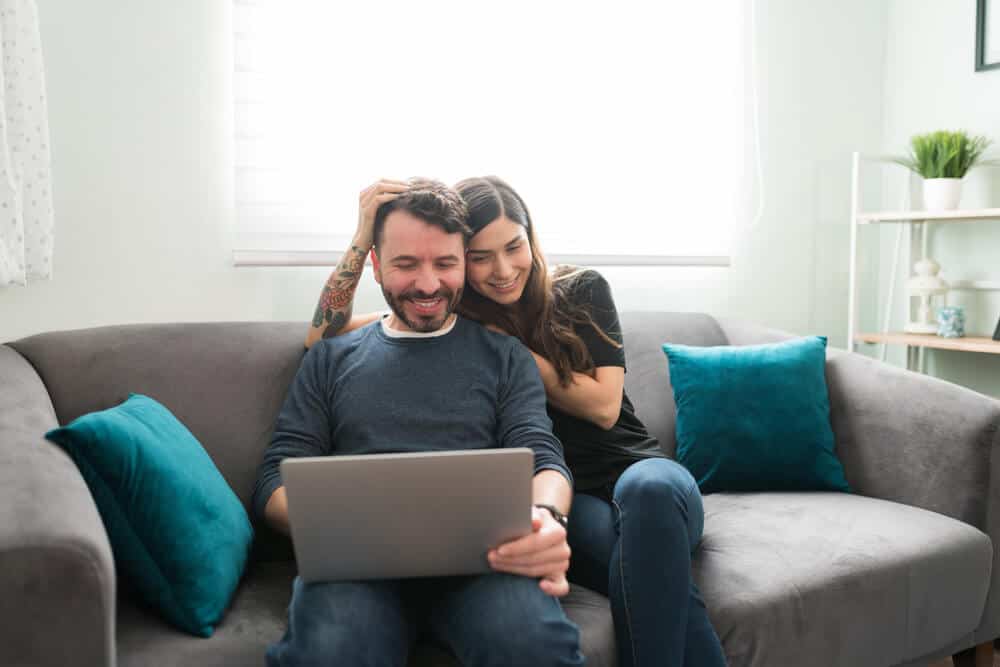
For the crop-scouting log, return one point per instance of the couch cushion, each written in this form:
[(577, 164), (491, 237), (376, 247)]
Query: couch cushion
[(755, 417), (258, 617), (178, 531), (844, 579), (647, 381)]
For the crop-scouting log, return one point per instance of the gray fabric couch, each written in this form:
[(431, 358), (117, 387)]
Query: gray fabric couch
[(899, 573)]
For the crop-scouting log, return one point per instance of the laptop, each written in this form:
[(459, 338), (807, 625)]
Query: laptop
[(392, 516)]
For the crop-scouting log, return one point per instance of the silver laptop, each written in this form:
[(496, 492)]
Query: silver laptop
[(388, 516)]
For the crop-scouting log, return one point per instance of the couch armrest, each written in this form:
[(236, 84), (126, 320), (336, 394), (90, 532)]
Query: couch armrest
[(903, 436), (56, 569), (923, 442), (912, 438)]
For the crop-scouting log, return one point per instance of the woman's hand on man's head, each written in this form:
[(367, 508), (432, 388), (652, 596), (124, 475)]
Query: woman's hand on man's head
[(371, 198)]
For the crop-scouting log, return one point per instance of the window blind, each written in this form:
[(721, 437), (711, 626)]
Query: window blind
[(623, 127)]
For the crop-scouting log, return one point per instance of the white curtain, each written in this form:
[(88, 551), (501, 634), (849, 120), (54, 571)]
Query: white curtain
[(26, 221)]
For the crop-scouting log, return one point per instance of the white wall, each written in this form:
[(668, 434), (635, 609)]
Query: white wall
[(141, 142), (931, 84)]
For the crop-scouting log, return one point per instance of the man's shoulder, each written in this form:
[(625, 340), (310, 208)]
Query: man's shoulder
[(504, 353), (346, 343), (491, 341)]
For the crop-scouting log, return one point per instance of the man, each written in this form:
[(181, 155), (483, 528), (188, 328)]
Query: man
[(424, 375)]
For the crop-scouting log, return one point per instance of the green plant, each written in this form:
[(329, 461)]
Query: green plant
[(944, 154)]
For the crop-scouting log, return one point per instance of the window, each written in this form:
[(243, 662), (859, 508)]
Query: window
[(622, 128)]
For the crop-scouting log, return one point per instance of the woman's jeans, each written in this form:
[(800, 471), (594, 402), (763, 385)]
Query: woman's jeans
[(637, 551), (493, 619)]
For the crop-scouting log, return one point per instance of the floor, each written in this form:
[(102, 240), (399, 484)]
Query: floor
[(949, 663)]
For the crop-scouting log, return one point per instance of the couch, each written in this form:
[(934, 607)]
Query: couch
[(899, 573)]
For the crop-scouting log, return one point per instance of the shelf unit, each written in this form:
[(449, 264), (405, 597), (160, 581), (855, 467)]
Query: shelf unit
[(958, 215), (917, 222), (964, 344)]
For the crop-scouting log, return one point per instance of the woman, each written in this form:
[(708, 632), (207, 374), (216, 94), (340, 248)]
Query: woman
[(636, 515)]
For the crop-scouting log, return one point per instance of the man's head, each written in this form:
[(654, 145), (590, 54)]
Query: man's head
[(419, 258)]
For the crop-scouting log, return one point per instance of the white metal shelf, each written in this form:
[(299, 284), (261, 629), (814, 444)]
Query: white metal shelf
[(973, 284), (917, 225), (958, 215)]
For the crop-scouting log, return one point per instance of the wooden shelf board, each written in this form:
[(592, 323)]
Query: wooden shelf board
[(966, 344), (958, 215), (974, 284)]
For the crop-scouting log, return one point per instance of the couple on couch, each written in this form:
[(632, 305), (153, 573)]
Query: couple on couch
[(464, 278)]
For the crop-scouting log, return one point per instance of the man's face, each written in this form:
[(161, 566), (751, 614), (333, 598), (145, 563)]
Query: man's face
[(421, 269)]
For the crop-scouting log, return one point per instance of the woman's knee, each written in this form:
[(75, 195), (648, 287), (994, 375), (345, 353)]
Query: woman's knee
[(656, 480), (661, 494)]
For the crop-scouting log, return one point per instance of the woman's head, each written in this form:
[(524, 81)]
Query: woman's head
[(503, 262), (508, 282)]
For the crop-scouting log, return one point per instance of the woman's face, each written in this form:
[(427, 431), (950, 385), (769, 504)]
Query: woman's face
[(498, 261)]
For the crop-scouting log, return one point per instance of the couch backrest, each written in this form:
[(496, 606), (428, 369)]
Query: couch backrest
[(647, 380), (225, 381)]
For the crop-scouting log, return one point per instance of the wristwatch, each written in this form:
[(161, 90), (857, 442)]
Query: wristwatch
[(556, 514)]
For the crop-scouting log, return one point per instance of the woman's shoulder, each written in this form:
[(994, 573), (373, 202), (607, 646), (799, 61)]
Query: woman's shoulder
[(570, 272), (580, 284), (577, 277)]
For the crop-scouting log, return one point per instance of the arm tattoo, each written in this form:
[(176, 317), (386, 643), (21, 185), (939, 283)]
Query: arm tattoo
[(337, 299), (336, 324)]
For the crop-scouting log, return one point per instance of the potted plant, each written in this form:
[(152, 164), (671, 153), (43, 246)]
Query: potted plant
[(942, 158)]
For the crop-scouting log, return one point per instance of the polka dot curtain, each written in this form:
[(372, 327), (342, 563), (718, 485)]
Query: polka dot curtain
[(26, 220)]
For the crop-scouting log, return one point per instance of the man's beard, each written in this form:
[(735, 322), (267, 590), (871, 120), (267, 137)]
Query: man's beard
[(423, 324)]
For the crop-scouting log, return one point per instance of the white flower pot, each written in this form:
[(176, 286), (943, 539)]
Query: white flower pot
[(942, 194)]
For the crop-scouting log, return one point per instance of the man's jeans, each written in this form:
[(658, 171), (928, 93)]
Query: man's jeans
[(637, 551), (492, 619)]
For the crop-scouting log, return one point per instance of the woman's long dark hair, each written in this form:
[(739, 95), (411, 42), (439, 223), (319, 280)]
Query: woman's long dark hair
[(544, 317)]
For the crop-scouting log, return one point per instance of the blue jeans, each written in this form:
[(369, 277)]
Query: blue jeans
[(637, 551), (492, 619)]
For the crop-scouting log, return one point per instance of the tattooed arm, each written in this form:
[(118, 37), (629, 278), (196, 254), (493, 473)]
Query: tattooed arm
[(336, 301)]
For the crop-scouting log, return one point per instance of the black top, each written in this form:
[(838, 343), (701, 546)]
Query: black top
[(595, 456)]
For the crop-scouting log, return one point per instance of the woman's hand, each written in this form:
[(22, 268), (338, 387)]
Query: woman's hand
[(371, 198), (550, 378)]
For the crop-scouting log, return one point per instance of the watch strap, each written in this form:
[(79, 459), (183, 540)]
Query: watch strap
[(556, 514)]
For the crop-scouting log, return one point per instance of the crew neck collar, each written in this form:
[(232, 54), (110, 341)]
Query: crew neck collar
[(395, 333)]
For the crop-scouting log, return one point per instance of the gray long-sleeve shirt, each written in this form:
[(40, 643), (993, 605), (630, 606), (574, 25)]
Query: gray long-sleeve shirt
[(368, 393)]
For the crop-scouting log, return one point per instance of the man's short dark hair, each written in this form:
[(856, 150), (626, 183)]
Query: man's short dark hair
[(431, 201)]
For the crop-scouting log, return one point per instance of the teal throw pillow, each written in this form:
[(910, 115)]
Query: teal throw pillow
[(179, 534), (755, 418)]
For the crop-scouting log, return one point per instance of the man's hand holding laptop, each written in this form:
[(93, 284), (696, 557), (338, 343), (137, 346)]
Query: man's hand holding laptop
[(543, 554)]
